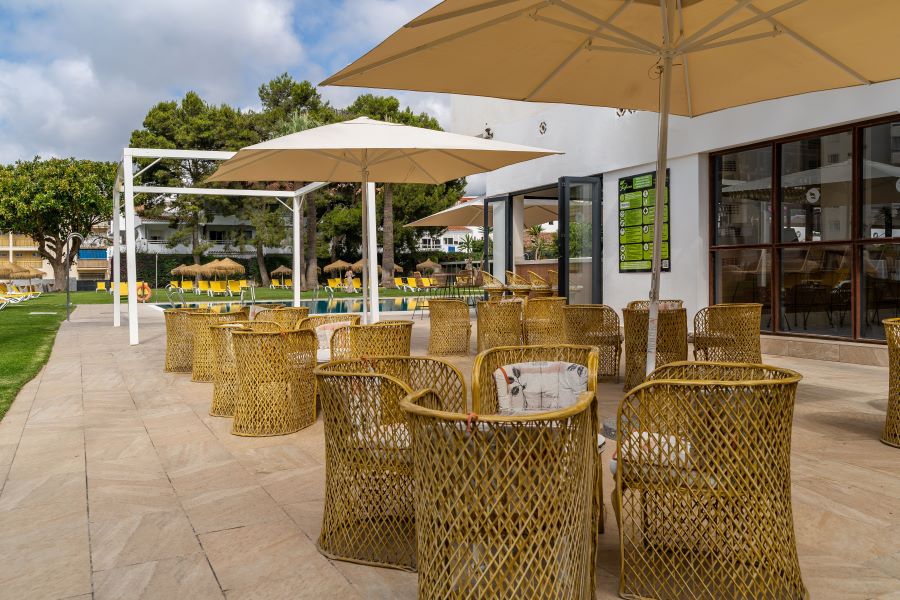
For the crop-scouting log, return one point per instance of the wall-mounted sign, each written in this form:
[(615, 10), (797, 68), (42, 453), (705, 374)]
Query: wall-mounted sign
[(637, 196)]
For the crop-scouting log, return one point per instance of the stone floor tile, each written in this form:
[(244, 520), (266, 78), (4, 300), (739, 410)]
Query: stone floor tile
[(69, 488), (308, 516), (144, 538), (215, 510), (48, 461), (295, 485), (375, 583), (120, 498), (188, 577), (270, 459)]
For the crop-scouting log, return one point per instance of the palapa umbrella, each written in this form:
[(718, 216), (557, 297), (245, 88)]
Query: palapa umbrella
[(11, 270), (282, 271), (428, 265), (364, 150), (359, 266), (230, 267), (683, 57), (337, 266)]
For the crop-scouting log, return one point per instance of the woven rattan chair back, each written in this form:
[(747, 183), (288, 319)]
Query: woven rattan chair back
[(276, 382), (543, 320), (503, 504), (595, 325), (891, 434), (288, 318), (369, 516), (645, 304), (499, 323), (484, 390), (540, 287), (226, 389), (492, 286), (703, 484), (179, 340), (517, 285), (728, 333), (671, 341), (313, 321), (451, 328), (386, 338), (201, 323)]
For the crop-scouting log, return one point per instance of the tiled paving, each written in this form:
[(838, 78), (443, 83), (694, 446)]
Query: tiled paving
[(116, 483)]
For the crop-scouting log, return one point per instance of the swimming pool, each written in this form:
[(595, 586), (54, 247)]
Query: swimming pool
[(322, 306)]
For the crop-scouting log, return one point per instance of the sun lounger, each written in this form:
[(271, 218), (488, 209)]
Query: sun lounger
[(234, 288)]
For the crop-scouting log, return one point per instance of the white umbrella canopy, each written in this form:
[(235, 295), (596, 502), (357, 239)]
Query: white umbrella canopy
[(683, 57), (471, 214), (364, 150)]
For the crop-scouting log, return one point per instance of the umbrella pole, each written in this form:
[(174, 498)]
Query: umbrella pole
[(365, 244), (297, 205), (658, 209), (372, 265)]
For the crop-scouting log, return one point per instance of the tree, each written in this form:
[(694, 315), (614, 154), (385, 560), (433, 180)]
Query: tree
[(267, 217), (49, 199), (537, 242)]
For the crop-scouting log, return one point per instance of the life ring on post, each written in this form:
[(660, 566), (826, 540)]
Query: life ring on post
[(144, 292)]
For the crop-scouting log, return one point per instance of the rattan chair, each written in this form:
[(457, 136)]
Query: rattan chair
[(503, 504), (179, 340), (595, 325), (891, 435), (540, 287), (703, 484), (313, 321), (369, 516), (517, 285), (671, 341), (664, 304), (728, 333), (202, 365), (451, 328), (276, 382), (226, 389), (499, 324), (553, 280), (543, 321), (288, 317), (386, 338), (492, 286)]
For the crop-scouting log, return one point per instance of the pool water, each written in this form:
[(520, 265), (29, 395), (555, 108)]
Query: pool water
[(324, 306)]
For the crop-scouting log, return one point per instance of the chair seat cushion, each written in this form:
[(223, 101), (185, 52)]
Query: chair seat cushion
[(539, 385), (326, 330)]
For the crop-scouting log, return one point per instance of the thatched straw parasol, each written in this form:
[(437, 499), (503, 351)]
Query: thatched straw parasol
[(282, 270), (337, 266), (398, 269), (429, 265), (9, 269), (179, 270), (359, 265), (230, 267), (192, 271)]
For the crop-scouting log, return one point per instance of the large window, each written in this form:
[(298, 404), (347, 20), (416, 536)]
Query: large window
[(829, 264)]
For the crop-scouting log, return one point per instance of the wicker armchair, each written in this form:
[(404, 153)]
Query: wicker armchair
[(517, 285), (540, 287), (451, 328), (386, 338), (664, 304), (553, 280), (703, 484), (288, 318), (671, 341), (313, 321), (179, 340), (728, 333), (595, 325), (499, 324), (369, 516), (200, 324), (503, 503), (492, 286), (543, 321), (277, 385), (226, 389), (891, 435)]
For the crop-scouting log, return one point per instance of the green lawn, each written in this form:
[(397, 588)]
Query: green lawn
[(25, 342)]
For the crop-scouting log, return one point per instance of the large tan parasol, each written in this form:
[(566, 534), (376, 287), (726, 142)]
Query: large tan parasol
[(338, 266), (9, 269), (282, 270), (359, 265), (428, 265)]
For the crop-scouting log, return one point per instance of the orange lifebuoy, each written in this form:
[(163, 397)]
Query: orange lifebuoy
[(144, 292)]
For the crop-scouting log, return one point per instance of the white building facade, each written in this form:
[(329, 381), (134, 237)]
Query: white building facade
[(793, 203)]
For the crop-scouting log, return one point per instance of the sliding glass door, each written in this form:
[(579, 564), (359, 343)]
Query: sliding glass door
[(580, 248)]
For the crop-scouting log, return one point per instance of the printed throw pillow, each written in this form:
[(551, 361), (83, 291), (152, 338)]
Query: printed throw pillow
[(325, 331), (539, 386)]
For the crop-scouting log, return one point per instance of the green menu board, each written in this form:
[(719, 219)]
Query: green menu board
[(637, 197)]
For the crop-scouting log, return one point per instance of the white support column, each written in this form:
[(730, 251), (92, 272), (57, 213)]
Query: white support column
[(130, 260), (373, 252), (117, 258), (298, 205)]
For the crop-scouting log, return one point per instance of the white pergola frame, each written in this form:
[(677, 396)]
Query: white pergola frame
[(124, 184)]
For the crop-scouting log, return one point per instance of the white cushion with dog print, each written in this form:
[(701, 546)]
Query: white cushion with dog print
[(539, 386)]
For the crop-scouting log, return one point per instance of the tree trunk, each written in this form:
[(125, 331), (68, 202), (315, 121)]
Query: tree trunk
[(261, 263), (312, 268), (59, 273), (387, 242)]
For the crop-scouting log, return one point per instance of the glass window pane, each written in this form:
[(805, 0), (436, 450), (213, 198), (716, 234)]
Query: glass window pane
[(881, 181), (816, 188), (880, 288), (816, 290), (743, 197), (581, 242), (745, 276)]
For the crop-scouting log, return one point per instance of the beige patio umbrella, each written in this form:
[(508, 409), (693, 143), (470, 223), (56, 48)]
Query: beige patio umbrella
[(428, 265), (471, 214), (683, 57), (228, 266), (11, 270), (337, 266), (364, 150)]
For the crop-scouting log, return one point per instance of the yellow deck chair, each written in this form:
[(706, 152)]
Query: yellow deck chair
[(123, 289), (244, 284), (101, 286), (203, 287), (217, 287), (411, 284), (333, 284), (173, 284), (234, 288), (426, 283), (357, 284), (398, 283), (187, 286), (288, 284)]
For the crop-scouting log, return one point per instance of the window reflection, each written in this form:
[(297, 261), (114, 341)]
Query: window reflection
[(745, 276), (743, 200), (816, 290), (816, 175), (880, 287), (881, 181)]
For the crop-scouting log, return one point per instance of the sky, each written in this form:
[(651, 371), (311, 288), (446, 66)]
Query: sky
[(77, 76)]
